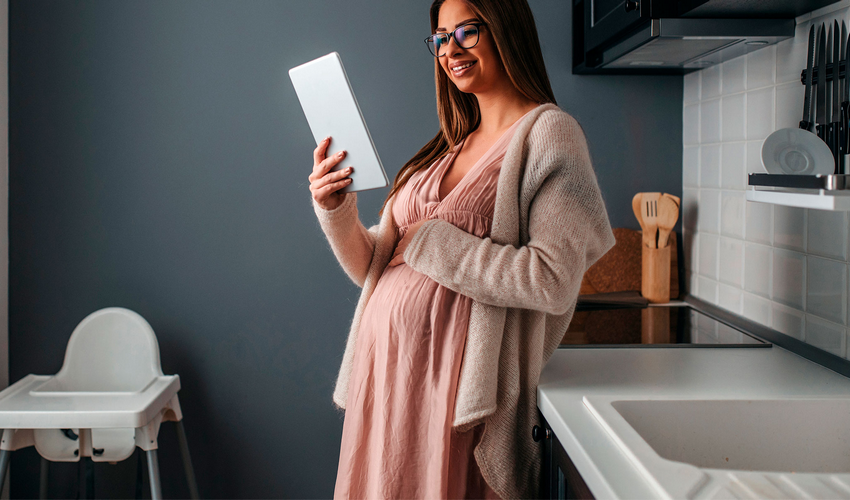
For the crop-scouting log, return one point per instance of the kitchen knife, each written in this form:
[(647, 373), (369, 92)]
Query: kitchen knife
[(843, 81), (820, 115), (844, 127), (836, 95), (841, 166), (806, 124)]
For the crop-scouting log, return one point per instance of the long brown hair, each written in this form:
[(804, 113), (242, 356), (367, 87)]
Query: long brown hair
[(512, 27)]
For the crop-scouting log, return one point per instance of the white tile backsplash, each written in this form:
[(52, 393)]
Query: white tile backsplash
[(690, 208), (789, 105), (708, 255), (789, 278), (758, 266), (733, 112), (827, 234), (759, 220), (707, 290), (709, 122), (690, 124), (711, 82), (826, 281), (826, 335), (732, 172), (789, 321), (731, 262), (791, 56), (789, 228), (760, 112), (709, 162), (757, 308), (734, 76), (729, 298), (784, 267), (708, 218), (753, 162), (690, 162), (732, 206), (691, 91), (761, 68)]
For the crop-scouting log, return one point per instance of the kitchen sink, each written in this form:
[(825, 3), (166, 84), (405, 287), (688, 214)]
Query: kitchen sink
[(682, 446)]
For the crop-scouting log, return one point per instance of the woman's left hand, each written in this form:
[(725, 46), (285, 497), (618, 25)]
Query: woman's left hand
[(398, 255)]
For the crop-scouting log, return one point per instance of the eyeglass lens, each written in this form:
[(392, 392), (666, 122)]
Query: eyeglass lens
[(465, 36)]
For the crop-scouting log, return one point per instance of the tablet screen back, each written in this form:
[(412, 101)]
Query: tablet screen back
[(331, 109)]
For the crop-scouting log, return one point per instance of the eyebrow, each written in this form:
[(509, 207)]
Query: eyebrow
[(459, 24)]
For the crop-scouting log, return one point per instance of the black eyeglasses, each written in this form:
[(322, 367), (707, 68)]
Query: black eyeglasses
[(465, 36)]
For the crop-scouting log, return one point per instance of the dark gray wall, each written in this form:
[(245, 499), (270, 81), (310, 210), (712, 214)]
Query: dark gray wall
[(159, 161)]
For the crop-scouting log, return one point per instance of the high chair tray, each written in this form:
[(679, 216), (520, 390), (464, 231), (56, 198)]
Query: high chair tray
[(23, 406)]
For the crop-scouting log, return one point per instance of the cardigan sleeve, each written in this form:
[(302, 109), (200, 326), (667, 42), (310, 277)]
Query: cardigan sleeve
[(568, 230), (352, 244)]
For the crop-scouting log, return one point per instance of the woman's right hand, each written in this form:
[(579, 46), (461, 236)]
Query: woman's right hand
[(324, 184)]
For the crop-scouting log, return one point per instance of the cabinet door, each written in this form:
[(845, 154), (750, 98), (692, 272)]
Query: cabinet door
[(605, 19), (561, 479)]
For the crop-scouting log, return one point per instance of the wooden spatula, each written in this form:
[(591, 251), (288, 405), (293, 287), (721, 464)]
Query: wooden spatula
[(674, 198), (649, 211), (668, 214)]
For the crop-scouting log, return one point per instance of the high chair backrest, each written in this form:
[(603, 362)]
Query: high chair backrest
[(111, 350)]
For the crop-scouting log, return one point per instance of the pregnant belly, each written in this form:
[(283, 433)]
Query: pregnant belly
[(410, 306)]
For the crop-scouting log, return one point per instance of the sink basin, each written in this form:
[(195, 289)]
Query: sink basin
[(676, 442)]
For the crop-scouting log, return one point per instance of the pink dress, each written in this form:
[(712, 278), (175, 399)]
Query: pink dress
[(397, 438)]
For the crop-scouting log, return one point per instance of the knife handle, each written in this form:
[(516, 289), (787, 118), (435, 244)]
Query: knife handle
[(832, 143), (821, 130), (841, 138)]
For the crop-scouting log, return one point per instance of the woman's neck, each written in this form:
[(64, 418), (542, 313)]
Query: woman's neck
[(502, 108)]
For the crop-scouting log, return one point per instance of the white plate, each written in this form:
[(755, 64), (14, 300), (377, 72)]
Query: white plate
[(796, 151)]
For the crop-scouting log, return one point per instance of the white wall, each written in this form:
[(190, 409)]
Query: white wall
[(784, 267)]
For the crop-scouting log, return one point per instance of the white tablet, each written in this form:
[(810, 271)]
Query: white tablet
[(331, 109)]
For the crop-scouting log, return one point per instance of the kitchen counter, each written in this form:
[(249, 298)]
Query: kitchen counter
[(638, 373)]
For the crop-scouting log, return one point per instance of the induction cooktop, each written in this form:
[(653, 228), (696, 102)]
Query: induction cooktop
[(653, 326)]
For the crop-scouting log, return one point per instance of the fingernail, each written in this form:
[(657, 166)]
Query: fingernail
[(327, 138), (341, 154), (349, 169), (348, 180)]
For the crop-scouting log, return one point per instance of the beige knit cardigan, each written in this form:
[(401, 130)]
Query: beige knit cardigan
[(549, 226)]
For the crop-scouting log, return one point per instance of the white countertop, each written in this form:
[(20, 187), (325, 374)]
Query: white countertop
[(718, 373)]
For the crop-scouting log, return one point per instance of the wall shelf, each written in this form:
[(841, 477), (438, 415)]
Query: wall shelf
[(838, 201)]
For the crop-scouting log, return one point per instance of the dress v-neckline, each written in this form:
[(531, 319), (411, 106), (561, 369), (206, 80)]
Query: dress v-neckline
[(474, 165)]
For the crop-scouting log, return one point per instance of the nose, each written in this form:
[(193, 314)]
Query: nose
[(452, 47)]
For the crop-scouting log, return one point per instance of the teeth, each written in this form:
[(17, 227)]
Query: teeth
[(458, 68)]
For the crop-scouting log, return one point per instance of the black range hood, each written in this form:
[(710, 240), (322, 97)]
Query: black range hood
[(677, 36), (692, 44)]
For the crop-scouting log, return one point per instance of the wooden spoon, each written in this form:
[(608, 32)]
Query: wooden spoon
[(636, 207), (649, 211), (668, 214)]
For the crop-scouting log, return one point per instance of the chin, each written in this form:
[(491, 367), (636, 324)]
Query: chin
[(467, 87)]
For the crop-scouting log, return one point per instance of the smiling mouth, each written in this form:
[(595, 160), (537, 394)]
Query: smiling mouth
[(461, 69)]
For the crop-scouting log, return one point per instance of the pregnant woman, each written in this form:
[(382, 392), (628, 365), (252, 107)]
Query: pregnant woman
[(470, 278)]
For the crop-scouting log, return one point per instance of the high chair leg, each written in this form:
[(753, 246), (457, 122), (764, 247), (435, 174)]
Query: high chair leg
[(187, 461), (153, 472), (42, 479), (4, 466)]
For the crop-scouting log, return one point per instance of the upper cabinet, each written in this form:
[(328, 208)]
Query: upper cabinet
[(677, 36)]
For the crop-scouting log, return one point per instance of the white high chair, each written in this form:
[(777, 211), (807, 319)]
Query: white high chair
[(109, 397)]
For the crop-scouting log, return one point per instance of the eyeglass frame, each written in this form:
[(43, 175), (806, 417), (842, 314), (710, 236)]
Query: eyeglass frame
[(451, 34)]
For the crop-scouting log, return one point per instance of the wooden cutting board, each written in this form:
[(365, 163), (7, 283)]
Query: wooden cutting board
[(619, 269)]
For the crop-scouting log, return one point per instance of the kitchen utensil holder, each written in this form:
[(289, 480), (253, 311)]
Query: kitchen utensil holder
[(655, 274)]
